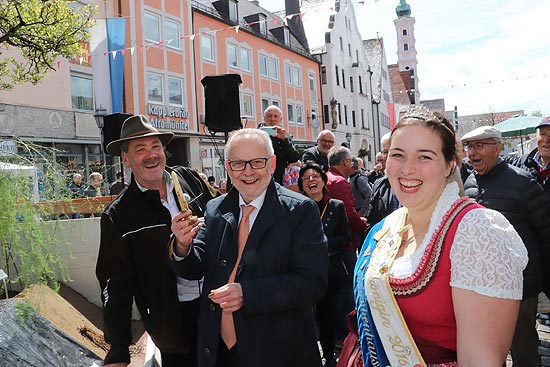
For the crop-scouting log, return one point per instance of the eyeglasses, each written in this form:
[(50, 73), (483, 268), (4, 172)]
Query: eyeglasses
[(311, 177), (325, 141), (476, 146), (256, 163)]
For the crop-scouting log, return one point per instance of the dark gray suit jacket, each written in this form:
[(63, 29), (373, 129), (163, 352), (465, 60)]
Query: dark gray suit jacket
[(283, 272)]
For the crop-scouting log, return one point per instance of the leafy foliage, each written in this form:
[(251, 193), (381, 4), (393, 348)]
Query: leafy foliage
[(41, 31), (27, 245)]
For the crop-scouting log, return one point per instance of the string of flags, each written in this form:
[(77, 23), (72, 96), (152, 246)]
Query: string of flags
[(282, 19)]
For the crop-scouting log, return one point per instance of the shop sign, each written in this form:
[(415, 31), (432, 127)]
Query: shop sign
[(8, 147), (168, 118)]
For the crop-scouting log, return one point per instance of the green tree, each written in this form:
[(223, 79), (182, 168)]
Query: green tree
[(536, 113), (41, 31)]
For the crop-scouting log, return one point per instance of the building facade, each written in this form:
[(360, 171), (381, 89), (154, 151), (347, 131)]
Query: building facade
[(148, 57), (345, 74)]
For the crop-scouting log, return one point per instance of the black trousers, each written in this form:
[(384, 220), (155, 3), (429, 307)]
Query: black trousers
[(189, 324), (227, 357), (327, 315)]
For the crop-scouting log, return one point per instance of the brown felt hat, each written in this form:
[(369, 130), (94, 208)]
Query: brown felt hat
[(136, 127)]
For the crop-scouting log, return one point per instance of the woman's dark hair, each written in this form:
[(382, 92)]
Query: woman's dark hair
[(437, 122), (313, 166)]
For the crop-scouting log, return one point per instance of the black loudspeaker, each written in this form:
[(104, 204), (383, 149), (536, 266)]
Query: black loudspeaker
[(223, 109), (112, 124)]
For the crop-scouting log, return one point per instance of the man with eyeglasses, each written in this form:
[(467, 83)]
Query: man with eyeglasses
[(318, 153), (510, 190), (267, 265)]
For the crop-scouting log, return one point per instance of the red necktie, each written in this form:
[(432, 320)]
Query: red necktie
[(227, 326)]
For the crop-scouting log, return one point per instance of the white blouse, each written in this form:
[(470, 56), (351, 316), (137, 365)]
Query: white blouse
[(487, 256)]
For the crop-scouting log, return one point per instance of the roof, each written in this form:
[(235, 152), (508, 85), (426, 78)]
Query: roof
[(518, 125), (398, 87)]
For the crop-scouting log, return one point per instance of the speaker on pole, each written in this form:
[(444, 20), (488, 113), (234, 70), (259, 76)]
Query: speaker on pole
[(222, 106), (112, 126)]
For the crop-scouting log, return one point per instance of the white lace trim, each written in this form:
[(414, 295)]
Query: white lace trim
[(487, 257)]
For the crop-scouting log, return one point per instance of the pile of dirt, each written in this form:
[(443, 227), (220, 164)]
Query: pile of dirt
[(72, 315)]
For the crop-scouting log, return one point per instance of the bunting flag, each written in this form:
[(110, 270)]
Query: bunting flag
[(274, 20)]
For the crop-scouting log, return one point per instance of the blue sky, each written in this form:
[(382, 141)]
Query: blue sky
[(481, 56)]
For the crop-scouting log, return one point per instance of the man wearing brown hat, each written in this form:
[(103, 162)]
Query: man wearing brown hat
[(133, 262), (511, 191)]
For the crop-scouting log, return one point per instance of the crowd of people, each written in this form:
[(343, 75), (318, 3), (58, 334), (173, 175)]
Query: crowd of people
[(300, 248)]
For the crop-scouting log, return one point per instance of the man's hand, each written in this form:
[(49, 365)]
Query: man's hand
[(185, 227), (116, 365), (229, 297), (281, 133)]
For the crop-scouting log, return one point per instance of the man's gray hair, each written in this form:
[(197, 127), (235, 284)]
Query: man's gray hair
[(94, 176), (273, 107), (337, 154), (249, 133), (355, 163)]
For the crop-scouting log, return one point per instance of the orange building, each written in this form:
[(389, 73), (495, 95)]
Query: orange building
[(172, 45)]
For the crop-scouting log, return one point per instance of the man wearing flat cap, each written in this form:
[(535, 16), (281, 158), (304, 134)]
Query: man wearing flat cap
[(513, 192), (132, 264), (537, 161)]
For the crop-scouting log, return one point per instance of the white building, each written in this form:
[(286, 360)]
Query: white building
[(333, 37)]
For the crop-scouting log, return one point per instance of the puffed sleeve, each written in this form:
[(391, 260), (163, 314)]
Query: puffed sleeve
[(488, 256)]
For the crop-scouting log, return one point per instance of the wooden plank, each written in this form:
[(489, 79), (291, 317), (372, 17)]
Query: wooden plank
[(75, 206)]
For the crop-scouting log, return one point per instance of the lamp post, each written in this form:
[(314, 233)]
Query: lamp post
[(99, 115), (348, 138)]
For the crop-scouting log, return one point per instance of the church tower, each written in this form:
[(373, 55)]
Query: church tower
[(406, 49)]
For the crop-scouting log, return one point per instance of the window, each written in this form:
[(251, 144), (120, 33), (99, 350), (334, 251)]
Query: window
[(296, 76), (262, 22), (323, 74), (404, 32), (263, 65), (362, 118), (346, 114), (349, 50), (154, 88), (341, 44), (274, 69), (265, 104), (360, 85), (246, 108), (245, 59), (232, 56), (286, 34), (288, 74), (172, 34), (299, 117), (337, 75), (351, 84), (151, 27), (405, 47), (353, 118), (312, 87), (175, 91), (357, 56), (290, 112), (343, 79), (232, 11), (276, 103), (339, 113), (82, 93), (207, 47)]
